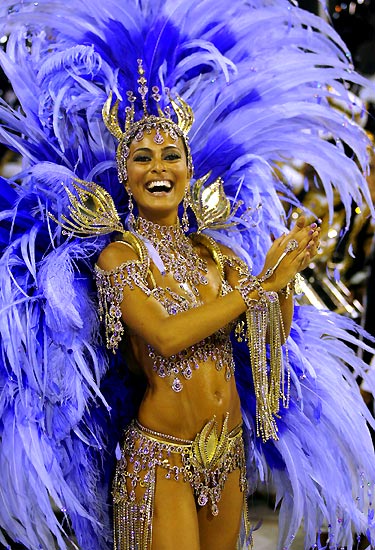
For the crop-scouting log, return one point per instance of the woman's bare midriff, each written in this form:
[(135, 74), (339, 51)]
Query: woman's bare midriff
[(183, 414)]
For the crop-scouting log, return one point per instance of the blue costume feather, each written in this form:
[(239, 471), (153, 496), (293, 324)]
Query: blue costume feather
[(262, 78)]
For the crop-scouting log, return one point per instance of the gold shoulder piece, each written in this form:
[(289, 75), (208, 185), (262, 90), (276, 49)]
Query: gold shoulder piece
[(91, 211), (210, 204), (213, 248), (136, 244)]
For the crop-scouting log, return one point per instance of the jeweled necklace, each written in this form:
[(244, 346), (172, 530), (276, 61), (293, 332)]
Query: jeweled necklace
[(176, 252)]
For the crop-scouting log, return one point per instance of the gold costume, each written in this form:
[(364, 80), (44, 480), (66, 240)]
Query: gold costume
[(204, 463)]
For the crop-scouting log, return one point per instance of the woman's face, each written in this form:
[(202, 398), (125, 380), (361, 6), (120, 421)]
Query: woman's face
[(157, 177)]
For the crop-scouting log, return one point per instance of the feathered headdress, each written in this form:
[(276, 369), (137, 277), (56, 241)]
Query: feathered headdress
[(259, 76)]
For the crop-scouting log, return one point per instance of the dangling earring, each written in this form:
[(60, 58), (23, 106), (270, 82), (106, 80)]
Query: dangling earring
[(186, 204), (131, 217)]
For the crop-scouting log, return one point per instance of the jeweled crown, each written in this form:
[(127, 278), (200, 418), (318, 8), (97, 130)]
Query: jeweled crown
[(161, 123)]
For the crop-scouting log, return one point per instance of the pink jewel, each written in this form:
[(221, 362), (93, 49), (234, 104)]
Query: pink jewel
[(177, 385), (158, 138), (202, 500), (187, 373)]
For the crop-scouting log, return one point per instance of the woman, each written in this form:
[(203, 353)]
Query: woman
[(168, 322), (257, 101)]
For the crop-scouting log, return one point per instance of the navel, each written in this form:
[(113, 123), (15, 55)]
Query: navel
[(218, 396)]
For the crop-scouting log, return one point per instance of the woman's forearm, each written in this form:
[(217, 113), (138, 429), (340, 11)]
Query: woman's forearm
[(287, 309), (169, 334)]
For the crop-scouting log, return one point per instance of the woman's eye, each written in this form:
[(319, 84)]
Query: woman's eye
[(142, 158), (172, 156)]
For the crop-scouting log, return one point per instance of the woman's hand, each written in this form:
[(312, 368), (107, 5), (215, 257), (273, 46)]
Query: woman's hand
[(306, 237)]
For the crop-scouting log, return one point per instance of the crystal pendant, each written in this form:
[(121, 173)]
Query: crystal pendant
[(202, 499), (177, 385)]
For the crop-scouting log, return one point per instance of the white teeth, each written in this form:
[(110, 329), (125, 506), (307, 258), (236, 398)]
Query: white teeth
[(160, 184)]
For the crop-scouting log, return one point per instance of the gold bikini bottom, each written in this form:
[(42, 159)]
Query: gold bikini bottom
[(204, 463)]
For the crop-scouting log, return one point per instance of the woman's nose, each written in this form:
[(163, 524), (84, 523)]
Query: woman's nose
[(158, 165)]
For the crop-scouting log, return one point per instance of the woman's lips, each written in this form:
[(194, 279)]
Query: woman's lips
[(159, 186)]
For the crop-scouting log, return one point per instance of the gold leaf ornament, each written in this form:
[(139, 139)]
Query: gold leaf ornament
[(185, 115), (110, 117), (91, 211), (208, 448), (210, 204)]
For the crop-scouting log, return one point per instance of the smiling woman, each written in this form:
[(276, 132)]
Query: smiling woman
[(194, 374), (179, 297)]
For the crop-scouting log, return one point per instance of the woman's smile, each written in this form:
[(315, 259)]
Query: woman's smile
[(159, 187)]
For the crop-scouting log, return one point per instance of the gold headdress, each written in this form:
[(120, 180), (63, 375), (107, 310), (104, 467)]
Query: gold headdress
[(135, 129)]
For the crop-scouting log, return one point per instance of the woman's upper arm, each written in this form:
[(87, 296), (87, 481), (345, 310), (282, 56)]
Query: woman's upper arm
[(124, 292)]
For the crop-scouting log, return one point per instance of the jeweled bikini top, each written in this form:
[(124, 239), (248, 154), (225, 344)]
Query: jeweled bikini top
[(189, 270)]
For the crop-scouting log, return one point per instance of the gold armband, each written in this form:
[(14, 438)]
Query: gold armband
[(111, 285)]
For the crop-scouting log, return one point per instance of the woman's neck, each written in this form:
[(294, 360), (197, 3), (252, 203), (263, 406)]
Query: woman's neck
[(170, 234), (160, 219), (176, 253)]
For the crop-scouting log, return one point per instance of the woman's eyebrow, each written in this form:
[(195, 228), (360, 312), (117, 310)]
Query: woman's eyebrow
[(171, 146), (147, 149)]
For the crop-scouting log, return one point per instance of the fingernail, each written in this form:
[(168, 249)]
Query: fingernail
[(311, 232), (313, 225)]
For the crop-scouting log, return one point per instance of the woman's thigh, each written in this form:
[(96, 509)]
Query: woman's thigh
[(175, 522), (221, 532)]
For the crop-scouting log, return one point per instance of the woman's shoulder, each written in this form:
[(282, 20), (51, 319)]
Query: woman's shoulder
[(226, 251), (213, 246), (125, 248), (222, 255)]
